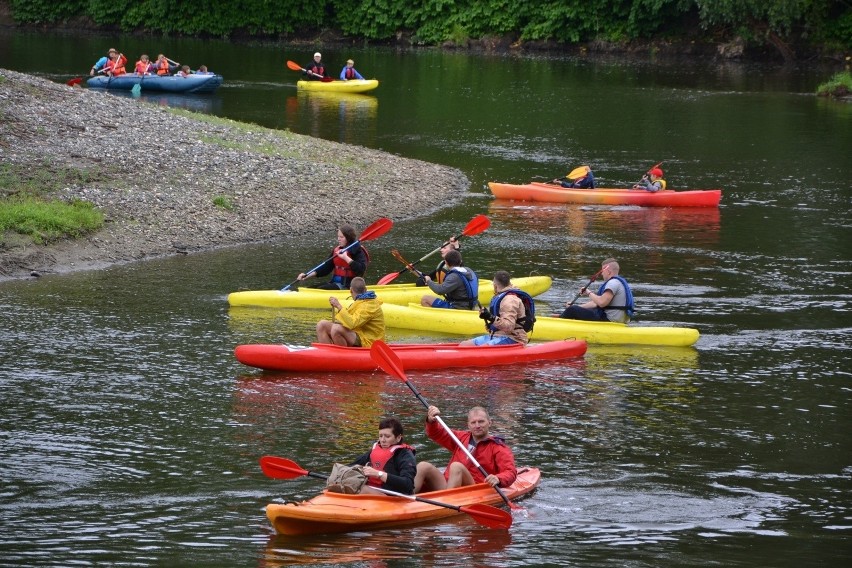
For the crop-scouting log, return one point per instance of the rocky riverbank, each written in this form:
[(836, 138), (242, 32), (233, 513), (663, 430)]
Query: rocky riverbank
[(173, 182)]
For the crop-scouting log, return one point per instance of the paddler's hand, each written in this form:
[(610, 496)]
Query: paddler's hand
[(431, 413), (301, 276), (345, 256), (377, 473), (335, 303), (426, 279), (492, 480)]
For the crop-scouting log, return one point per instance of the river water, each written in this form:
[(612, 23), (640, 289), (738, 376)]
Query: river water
[(129, 434)]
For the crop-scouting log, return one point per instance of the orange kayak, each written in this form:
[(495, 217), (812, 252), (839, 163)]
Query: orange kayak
[(552, 193), (337, 513)]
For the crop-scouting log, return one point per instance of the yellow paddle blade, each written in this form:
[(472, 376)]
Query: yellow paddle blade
[(577, 173)]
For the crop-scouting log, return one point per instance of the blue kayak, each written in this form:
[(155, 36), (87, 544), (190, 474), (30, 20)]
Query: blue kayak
[(197, 83)]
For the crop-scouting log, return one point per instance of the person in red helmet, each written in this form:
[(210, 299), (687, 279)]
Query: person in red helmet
[(652, 181)]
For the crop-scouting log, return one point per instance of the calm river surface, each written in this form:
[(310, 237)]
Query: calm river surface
[(129, 434)]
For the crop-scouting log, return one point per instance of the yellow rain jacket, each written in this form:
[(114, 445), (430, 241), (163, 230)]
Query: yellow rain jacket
[(365, 318)]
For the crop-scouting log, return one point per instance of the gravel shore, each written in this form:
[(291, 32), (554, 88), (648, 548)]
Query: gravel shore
[(155, 174)]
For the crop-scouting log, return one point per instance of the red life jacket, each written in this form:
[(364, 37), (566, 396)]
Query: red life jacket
[(350, 73), (379, 457), (342, 272)]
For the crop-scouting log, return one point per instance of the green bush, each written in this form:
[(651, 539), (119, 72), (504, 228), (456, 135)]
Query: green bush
[(840, 85)]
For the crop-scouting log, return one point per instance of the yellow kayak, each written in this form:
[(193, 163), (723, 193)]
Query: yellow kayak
[(466, 322), (350, 86), (401, 294)]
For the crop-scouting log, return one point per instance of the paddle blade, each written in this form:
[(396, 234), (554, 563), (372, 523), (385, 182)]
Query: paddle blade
[(384, 357), (136, 90), (74, 81), (388, 278), (488, 516), (281, 468), (476, 225), (398, 255), (577, 173), (294, 66), (376, 230), (327, 79)]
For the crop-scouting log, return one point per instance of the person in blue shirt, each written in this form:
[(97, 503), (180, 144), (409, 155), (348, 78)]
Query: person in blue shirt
[(585, 181), (349, 71)]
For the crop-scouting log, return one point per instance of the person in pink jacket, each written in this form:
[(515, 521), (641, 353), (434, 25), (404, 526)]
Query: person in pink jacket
[(492, 453)]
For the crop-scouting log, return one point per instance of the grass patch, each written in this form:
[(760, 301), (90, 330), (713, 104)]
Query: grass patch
[(46, 221), (838, 86), (41, 180), (27, 209), (223, 202)]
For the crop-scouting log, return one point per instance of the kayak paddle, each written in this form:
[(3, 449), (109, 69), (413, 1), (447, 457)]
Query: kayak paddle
[(583, 289), (408, 265), (296, 67), (475, 226), (374, 231), (384, 357), (492, 517)]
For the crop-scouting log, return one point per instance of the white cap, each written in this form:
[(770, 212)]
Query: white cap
[(317, 54)]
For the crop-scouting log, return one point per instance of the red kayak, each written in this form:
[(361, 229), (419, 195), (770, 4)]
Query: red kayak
[(324, 357), (552, 193)]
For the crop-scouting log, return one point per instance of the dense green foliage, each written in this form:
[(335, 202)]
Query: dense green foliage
[(838, 86), (434, 21)]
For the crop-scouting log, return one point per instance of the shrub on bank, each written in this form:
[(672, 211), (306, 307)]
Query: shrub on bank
[(838, 86)]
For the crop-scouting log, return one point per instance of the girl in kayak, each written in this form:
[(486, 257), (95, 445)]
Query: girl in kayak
[(344, 266), (390, 463)]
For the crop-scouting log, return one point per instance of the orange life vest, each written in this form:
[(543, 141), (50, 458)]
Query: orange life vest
[(163, 67), (116, 66)]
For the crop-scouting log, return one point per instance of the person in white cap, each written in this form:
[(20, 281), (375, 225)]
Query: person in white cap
[(315, 70)]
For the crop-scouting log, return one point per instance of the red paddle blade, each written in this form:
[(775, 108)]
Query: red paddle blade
[(388, 278), (74, 81), (376, 230), (327, 79), (476, 225), (488, 516), (294, 66), (281, 468), (384, 357)]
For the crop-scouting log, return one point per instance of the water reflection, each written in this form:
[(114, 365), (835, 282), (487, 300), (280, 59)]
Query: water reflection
[(351, 115), (451, 542), (203, 103), (675, 226)]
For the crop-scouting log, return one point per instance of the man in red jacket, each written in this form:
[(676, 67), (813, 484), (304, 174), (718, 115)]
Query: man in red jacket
[(491, 452)]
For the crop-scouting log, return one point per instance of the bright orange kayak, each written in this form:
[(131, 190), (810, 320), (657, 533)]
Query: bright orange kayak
[(552, 193), (337, 513)]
